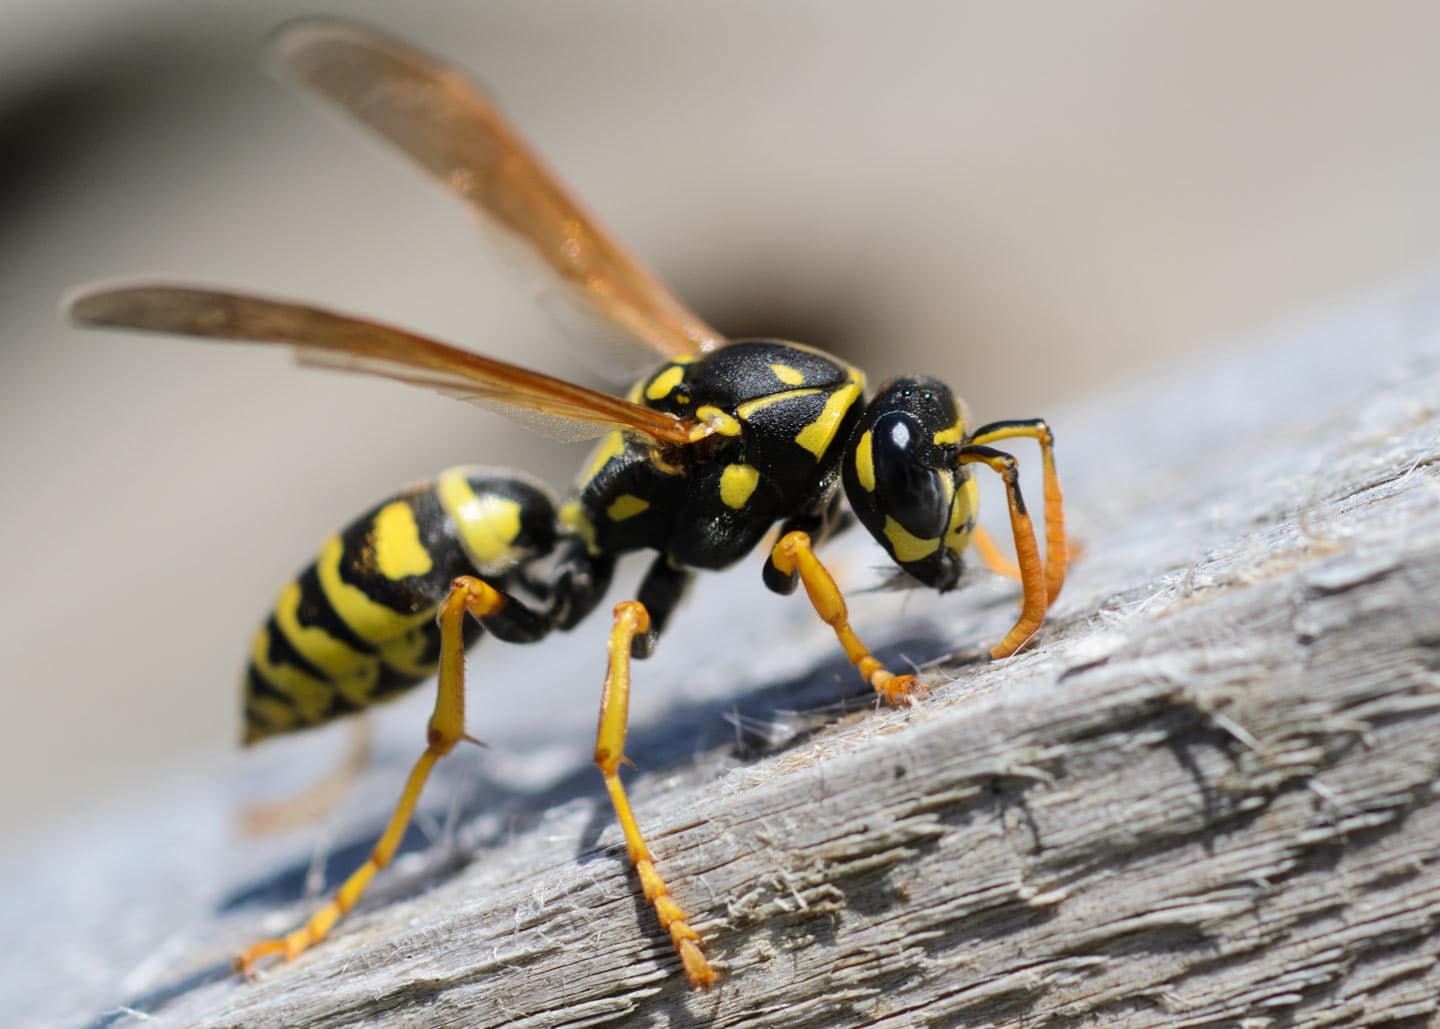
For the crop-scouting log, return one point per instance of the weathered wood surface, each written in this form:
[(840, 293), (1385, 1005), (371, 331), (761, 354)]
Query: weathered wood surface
[(1205, 795)]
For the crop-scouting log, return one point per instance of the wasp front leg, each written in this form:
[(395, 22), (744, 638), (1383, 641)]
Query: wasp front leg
[(794, 556), (1057, 550), (1033, 579)]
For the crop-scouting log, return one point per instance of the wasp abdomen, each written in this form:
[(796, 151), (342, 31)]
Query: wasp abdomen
[(357, 625)]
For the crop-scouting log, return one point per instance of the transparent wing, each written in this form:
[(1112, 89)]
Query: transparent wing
[(447, 124), (328, 339)]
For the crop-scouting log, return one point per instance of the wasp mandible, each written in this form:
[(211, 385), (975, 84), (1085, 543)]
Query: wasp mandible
[(703, 458)]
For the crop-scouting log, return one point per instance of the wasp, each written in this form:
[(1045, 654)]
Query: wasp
[(708, 453)]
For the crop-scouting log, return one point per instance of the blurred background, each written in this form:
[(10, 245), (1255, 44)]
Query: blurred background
[(1029, 200)]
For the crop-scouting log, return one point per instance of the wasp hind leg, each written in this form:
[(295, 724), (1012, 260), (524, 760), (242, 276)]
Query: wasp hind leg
[(468, 595), (794, 556), (633, 627)]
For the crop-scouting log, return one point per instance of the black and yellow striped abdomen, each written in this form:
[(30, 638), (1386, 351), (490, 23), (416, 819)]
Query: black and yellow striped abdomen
[(357, 625)]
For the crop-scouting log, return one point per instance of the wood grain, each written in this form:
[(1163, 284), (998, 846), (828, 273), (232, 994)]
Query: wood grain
[(1205, 795)]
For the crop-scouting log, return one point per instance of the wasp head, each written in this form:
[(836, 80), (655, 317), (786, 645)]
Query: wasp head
[(903, 482)]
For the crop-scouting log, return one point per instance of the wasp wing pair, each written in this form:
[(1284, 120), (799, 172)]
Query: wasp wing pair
[(446, 124), (450, 128), (442, 121)]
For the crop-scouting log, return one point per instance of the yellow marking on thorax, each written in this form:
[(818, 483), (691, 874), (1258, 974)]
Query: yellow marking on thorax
[(573, 517), (748, 408), (816, 436), (905, 545), (724, 424), (398, 551), (612, 446), (372, 622), (662, 384), (625, 506), (488, 525), (737, 483), (787, 374), (310, 697), (865, 462)]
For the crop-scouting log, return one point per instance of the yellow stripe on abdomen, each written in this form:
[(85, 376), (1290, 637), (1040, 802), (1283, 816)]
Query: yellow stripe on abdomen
[(398, 550), (308, 697), (375, 623), (349, 671), (488, 525)]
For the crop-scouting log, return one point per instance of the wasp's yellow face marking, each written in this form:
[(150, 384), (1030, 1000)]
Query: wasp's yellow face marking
[(662, 384), (723, 423), (904, 545), (627, 505), (398, 551), (816, 436), (865, 462), (372, 622), (572, 516), (788, 375), (737, 483), (489, 525)]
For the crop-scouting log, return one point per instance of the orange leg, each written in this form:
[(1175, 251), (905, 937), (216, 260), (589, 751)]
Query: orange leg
[(990, 554), (1032, 571), (632, 620), (447, 728), (793, 554), (1057, 557)]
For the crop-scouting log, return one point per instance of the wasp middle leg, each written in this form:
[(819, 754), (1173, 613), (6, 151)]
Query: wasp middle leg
[(632, 625), (636, 627)]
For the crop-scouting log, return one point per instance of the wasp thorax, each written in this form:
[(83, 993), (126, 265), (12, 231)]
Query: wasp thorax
[(903, 482)]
